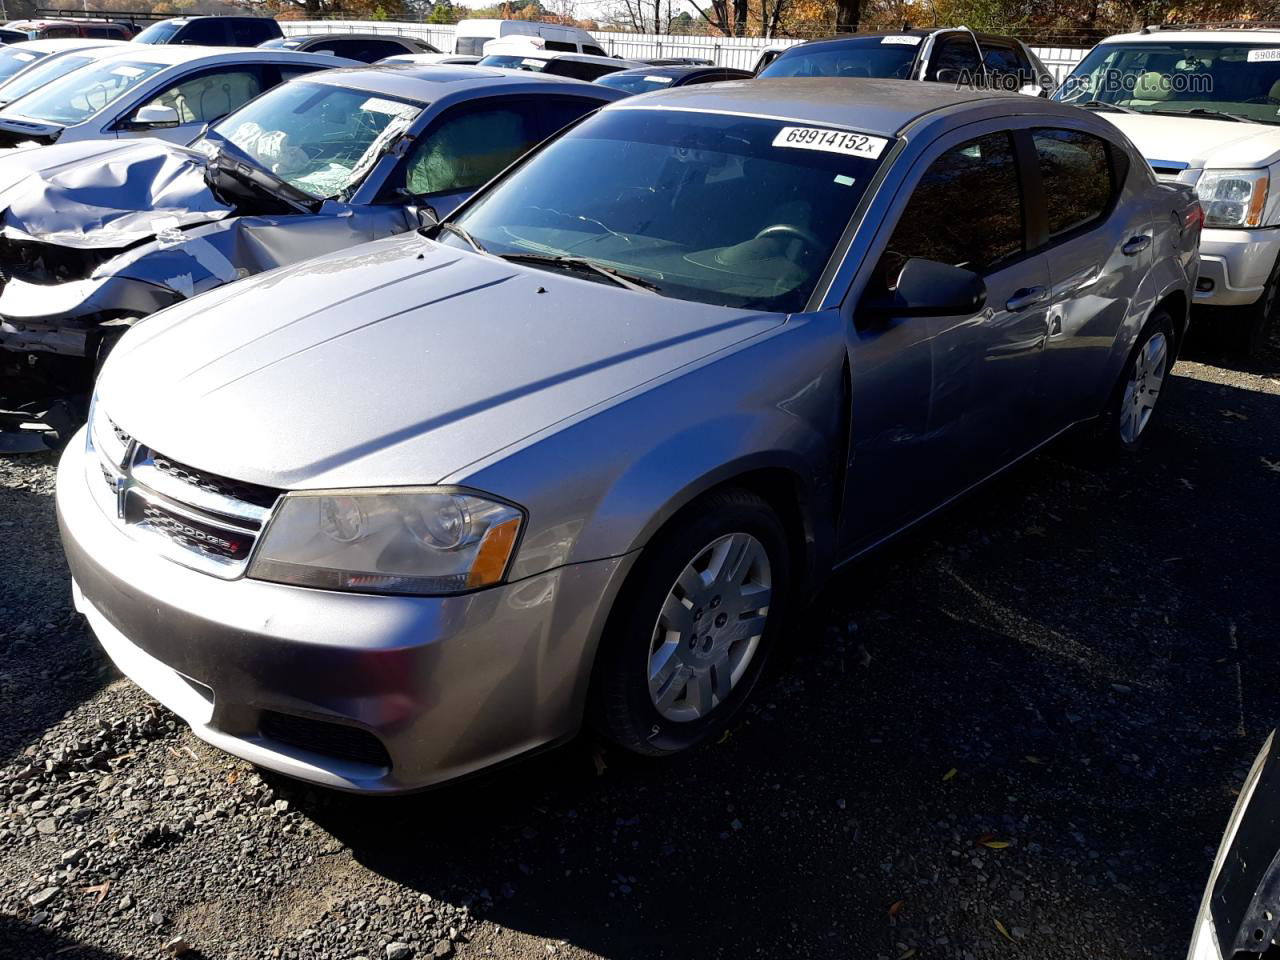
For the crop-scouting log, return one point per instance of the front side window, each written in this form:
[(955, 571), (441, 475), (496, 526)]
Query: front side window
[(207, 31), (250, 33), (468, 146), (319, 139), (966, 211), (1075, 170), (162, 32), (80, 94), (955, 60), (209, 96), (736, 211), (889, 57), (1167, 77)]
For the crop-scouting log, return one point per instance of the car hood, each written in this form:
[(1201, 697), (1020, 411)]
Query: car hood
[(104, 194), (397, 362), (1199, 142)]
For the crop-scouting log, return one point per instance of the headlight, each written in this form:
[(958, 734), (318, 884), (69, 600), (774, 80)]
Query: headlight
[(1233, 198), (416, 541)]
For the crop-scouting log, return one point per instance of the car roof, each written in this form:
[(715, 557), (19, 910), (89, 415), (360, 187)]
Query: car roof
[(308, 37), (873, 106), (176, 54), (64, 44), (1244, 37), (209, 16), (674, 70), (428, 82)]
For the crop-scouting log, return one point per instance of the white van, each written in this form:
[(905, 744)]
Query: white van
[(471, 36)]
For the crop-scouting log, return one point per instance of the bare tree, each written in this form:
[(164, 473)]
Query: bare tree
[(645, 16)]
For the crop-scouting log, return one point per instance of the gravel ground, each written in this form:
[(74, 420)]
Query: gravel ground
[(1016, 733)]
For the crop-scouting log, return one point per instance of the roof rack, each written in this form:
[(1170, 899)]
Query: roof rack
[(59, 13), (1214, 25)]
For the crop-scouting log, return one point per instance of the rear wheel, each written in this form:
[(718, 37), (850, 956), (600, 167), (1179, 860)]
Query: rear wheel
[(690, 634), (1141, 385)]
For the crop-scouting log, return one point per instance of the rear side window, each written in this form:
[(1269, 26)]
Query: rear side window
[(592, 49), (561, 46), (1075, 169), (966, 211), (364, 50), (208, 31), (250, 33)]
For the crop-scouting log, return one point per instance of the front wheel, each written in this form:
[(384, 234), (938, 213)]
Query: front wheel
[(1254, 324), (690, 634)]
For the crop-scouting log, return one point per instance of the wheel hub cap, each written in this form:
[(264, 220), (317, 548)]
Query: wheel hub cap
[(697, 658), (1146, 377)]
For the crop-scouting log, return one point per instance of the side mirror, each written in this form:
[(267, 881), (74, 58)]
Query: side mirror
[(155, 116), (427, 216), (947, 75), (927, 288)]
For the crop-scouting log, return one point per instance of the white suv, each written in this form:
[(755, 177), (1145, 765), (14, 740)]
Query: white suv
[(1203, 106)]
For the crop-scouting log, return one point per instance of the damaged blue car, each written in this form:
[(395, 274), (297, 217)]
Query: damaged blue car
[(97, 235)]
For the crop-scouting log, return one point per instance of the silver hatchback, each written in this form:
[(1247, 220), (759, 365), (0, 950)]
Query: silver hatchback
[(387, 517)]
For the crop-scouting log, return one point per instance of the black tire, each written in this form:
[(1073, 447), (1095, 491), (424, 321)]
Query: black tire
[(1112, 433), (1250, 328), (622, 709)]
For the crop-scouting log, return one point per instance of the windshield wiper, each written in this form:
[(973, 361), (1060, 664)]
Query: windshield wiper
[(627, 280), (457, 231), (257, 178), (1103, 105), (1222, 115)]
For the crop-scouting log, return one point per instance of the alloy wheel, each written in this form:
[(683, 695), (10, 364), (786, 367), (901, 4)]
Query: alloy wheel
[(1146, 378), (709, 627)]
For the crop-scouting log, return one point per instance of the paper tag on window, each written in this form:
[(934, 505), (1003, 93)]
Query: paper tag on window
[(658, 79), (908, 41), (130, 72), (23, 56), (1263, 55), (392, 107), (830, 141), (533, 62)]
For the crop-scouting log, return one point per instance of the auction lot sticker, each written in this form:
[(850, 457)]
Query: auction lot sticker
[(1257, 56), (830, 141)]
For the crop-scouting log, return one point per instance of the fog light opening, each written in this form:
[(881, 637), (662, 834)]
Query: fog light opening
[(1204, 285)]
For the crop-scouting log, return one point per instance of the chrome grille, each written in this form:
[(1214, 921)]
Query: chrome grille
[(193, 517)]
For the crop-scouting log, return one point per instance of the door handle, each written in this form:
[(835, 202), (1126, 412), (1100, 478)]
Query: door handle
[(1026, 297), (1135, 245)]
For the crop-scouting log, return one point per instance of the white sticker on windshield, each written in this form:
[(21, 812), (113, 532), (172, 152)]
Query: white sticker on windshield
[(129, 72), (1263, 55), (845, 181), (830, 141), (909, 41), (658, 79), (23, 56), (392, 107), (533, 62)]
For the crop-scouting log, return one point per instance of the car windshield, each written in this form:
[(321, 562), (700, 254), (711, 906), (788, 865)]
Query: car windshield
[(889, 57), (158, 33), (13, 59), (320, 139), (1242, 80), (729, 210), (40, 74), (78, 95), (513, 62), (635, 82)]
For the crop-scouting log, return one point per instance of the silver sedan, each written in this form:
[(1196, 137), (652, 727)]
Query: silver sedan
[(387, 517)]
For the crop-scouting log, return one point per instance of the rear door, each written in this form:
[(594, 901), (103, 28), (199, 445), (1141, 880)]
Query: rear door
[(1098, 248)]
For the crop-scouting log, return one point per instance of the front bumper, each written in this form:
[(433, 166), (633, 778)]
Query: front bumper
[(447, 685), (1235, 265)]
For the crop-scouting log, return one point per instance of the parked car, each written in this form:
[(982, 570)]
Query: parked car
[(365, 47), (470, 36), (94, 236), (212, 31), (578, 66), (431, 59), (12, 36), (953, 55), (681, 62), (1201, 106), (1238, 915), (67, 28), (393, 515), (18, 57), (165, 92), (647, 79), (57, 58)]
